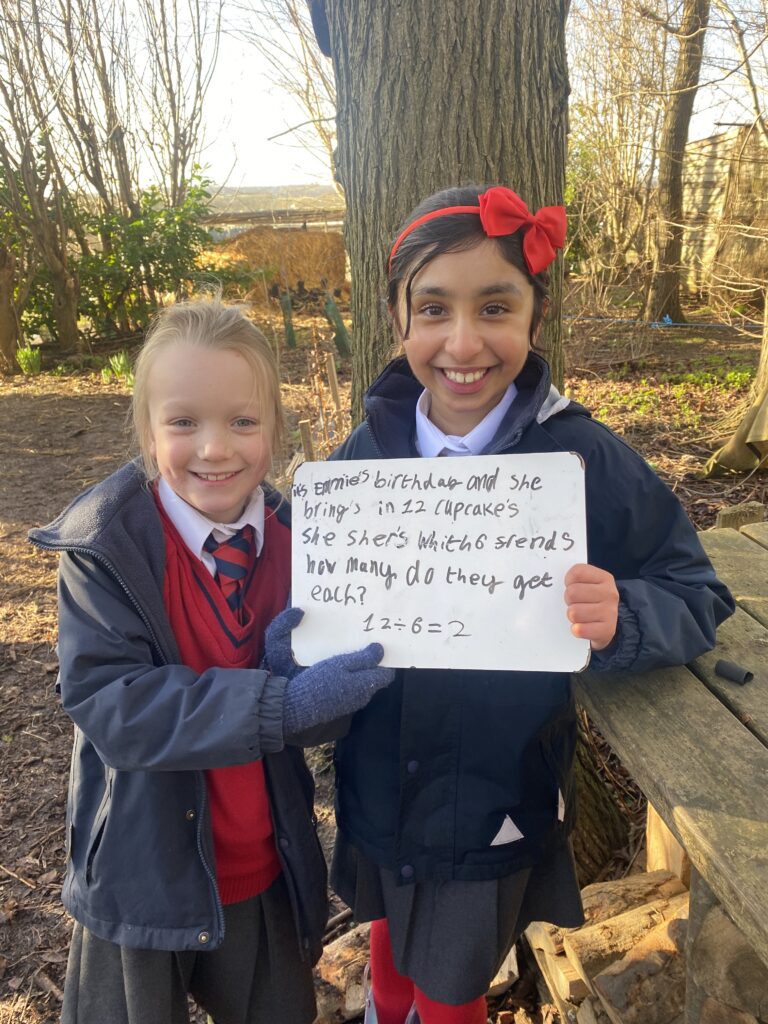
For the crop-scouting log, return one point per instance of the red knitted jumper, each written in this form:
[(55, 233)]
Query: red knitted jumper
[(208, 634)]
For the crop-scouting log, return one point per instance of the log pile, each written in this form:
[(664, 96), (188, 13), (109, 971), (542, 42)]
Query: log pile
[(339, 977), (339, 985), (627, 964), (599, 973)]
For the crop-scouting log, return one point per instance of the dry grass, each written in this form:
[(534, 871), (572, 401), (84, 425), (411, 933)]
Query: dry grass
[(287, 256)]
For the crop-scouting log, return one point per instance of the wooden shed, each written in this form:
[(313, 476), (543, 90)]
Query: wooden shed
[(725, 242)]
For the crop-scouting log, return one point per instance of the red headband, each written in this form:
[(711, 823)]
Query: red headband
[(502, 212)]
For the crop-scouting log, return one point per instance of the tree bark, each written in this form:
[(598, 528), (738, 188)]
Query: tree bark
[(433, 95), (603, 900), (664, 289), (66, 293), (747, 449), (592, 948), (601, 827), (760, 385), (647, 985), (9, 326)]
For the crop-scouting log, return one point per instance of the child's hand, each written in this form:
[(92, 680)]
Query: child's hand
[(333, 688), (593, 604), (277, 643)]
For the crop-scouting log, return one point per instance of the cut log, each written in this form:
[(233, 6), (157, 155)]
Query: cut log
[(565, 1008), (506, 976), (726, 967), (662, 850), (564, 977), (593, 948), (339, 977), (603, 900), (647, 986)]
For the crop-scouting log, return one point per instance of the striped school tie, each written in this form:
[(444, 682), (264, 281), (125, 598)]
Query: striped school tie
[(232, 558)]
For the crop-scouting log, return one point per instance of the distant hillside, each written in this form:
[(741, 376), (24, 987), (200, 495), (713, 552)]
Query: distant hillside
[(281, 197)]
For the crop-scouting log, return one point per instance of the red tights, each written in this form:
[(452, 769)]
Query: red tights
[(394, 994)]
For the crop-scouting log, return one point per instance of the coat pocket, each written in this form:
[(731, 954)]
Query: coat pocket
[(97, 829)]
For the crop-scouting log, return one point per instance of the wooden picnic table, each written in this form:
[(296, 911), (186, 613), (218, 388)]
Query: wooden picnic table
[(697, 745)]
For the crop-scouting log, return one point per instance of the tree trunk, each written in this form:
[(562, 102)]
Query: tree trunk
[(664, 289), (760, 384), (747, 449), (601, 827), (66, 293), (9, 326), (431, 95)]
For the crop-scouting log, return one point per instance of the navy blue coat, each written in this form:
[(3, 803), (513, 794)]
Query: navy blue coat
[(433, 766), (139, 847)]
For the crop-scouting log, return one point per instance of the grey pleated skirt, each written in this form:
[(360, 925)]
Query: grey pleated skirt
[(256, 976), (450, 938)]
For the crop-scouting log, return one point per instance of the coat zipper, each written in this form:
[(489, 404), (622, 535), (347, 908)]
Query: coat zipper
[(201, 789), (379, 452)]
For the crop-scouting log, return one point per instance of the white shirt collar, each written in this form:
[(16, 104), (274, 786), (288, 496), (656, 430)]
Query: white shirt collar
[(194, 528), (431, 441)]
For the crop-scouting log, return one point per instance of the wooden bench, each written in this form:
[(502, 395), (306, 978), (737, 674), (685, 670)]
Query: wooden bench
[(697, 745)]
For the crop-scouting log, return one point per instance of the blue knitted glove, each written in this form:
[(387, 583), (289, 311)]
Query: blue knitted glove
[(326, 691), (277, 643)]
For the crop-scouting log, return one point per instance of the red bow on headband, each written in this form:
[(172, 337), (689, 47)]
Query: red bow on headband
[(502, 212)]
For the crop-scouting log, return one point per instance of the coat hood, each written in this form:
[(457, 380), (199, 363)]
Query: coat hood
[(391, 399)]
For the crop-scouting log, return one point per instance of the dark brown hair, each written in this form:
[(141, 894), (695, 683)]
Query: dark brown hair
[(455, 233)]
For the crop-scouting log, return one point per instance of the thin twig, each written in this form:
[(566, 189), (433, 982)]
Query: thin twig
[(19, 878), (338, 919), (44, 840), (44, 982)]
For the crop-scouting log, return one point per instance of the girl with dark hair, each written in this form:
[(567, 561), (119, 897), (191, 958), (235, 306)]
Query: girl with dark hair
[(455, 791)]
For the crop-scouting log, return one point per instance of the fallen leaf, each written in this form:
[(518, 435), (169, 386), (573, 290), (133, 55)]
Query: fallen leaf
[(54, 956), (8, 911), (15, 983), (49, 876), (3, 964), (51, 666)]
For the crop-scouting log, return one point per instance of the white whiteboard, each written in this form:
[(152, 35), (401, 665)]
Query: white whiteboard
[(448, 562)]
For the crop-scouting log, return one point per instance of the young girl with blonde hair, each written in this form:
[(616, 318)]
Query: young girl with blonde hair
[(193, 866)]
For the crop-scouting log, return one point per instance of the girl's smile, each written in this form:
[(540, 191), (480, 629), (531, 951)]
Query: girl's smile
[(469, 338), (465, 382)]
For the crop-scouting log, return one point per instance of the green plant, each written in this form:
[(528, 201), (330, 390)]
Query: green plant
[(119, 368), (29, 360), (141, 259)]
